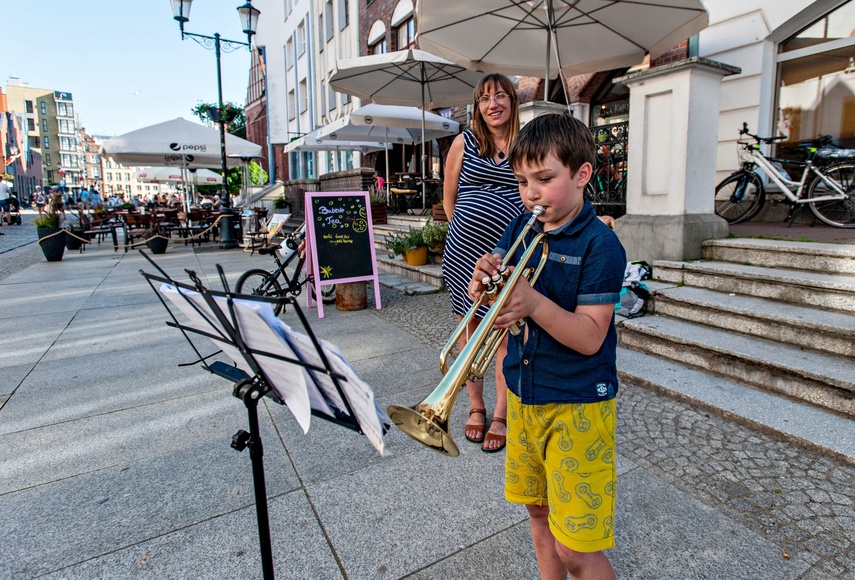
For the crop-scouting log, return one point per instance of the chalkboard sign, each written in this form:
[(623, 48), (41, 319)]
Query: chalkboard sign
[(340, 240)]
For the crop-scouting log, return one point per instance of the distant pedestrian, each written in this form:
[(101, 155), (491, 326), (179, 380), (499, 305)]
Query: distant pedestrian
[(41, 199), (94, 198), (5, 200), (56, 204), (84, 198)]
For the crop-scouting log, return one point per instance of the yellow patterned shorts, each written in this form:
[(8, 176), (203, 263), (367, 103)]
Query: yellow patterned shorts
[(563, 454)]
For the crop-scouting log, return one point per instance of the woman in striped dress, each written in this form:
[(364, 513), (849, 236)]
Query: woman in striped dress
[(480, 197)]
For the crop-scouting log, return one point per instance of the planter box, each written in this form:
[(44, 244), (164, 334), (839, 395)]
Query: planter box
[(52, 242)]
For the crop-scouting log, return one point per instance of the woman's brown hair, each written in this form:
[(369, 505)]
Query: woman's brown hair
[(486, 147)]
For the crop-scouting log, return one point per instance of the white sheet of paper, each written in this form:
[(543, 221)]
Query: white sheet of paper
[(285, 378)]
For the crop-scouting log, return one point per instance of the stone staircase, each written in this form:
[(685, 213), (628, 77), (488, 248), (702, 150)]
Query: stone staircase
[(398, 274), (761, 331)]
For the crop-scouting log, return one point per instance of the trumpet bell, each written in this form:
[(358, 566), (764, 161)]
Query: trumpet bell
[(430, 432)]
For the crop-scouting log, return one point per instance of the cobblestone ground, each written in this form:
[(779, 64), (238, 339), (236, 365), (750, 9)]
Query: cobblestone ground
[(798, 499), (794, 497)]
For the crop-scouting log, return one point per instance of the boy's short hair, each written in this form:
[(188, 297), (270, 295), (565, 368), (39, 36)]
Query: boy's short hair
[(564, 136)]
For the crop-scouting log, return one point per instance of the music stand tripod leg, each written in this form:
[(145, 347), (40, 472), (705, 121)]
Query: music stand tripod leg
[(250, 392)]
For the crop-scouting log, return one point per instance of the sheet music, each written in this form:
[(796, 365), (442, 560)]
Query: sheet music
[(300, 388), (257, 335)]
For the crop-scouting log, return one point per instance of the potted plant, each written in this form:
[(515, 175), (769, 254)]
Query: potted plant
[(76, 232), (438, 212), (281, 202), (417, 250), (397, 244), (378, 208), (434, 235), (51, 236)]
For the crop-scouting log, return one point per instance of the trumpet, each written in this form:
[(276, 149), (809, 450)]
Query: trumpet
[(427, 421)]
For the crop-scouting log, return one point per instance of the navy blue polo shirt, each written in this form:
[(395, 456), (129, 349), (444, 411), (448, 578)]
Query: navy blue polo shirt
[(586, 266)]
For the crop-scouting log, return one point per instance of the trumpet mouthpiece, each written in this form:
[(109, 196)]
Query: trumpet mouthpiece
[(537, 210)]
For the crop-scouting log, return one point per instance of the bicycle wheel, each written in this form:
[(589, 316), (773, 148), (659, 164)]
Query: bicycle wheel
[(838, 213), (327, 293), (260, 283), (740, 197)]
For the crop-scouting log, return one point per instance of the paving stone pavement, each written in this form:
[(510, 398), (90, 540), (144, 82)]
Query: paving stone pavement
[(793, 497), (796, 499)]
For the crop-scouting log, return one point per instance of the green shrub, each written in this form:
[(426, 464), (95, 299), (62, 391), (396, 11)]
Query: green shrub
[(49, 219)]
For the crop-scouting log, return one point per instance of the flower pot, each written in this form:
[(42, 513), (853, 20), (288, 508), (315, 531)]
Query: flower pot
[(418, 257), (438, 213), (52, 241), (157, 244), (72, 239), (378, 212)]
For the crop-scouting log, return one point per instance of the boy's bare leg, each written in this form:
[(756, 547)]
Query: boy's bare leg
[(551, 566), (585, 565), (555, 559)]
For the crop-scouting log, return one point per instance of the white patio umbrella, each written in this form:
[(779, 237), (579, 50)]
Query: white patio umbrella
[(582, 35), (407, 77), (389, 124), (177, 143), (174, 175), (312, 142)]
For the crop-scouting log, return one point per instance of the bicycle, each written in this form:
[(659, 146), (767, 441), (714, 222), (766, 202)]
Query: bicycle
[(258, 282), (827, 183)]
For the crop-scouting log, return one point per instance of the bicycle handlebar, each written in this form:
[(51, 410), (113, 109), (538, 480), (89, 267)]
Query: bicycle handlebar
[(818, 142)]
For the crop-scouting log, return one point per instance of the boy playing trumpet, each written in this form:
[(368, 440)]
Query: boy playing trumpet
[(560, 370)]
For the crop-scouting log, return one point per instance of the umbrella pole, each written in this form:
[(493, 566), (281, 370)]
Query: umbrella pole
[(424, 153), (549, 22), (386, 143)]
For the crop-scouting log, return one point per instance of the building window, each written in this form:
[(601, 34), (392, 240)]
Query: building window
[(289, 54), (43, 108), (31, 124), (109, 165), (304, 96), (109, 177), (377, 38), (47, 159), (67, 126), (36, 142), (47, 142), (343, 14), (331, 100), (292, 106), (816, 67), (28, 105), (65, 109), (407, 34), (378, 47), (301, 39), (330, 29)]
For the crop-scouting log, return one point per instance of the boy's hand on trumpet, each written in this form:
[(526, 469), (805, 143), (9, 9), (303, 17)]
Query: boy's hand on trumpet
[(522, 300)]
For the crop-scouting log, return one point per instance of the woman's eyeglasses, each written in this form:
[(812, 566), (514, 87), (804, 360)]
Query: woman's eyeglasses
[(498, 97)]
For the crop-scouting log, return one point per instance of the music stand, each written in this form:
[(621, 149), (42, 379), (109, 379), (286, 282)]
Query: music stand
[(237, 324)]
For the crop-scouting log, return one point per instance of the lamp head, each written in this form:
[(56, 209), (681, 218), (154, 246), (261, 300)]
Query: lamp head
[(248, 17), (181, 10)]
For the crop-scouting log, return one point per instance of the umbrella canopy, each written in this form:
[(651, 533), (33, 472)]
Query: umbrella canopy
[(406, 77), (574, 36), (177, 143), (388, 124), (173, 175), (312, 142)]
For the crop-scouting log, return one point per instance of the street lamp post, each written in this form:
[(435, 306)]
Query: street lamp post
[(249, 19)]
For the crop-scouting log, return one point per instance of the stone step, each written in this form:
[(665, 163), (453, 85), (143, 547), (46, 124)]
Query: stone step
[(802, 326), (815, 289), (405, 285), (430, 274), (818, 429), (816, 257), (822, 379)]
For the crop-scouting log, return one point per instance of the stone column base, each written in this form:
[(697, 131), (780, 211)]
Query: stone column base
[(668, 237)]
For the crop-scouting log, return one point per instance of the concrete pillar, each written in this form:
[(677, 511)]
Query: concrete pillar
[(673, 131), (529, 111)]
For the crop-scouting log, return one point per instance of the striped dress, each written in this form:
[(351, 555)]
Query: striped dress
[(488, 198)]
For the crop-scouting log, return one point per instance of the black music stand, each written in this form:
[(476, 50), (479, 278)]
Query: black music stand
[(216, 317)]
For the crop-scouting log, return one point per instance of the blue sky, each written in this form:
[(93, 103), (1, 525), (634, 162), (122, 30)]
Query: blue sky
[(122, 60)]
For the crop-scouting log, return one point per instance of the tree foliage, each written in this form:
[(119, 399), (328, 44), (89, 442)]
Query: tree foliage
[(232, 114)]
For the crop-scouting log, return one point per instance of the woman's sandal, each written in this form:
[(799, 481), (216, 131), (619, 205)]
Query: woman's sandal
[(473, 427), (494, 437)]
